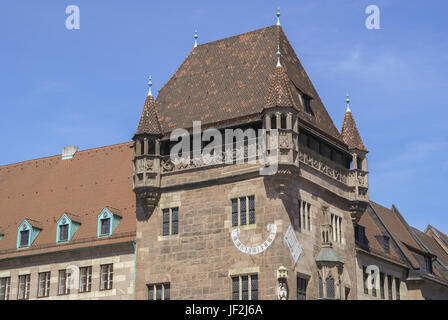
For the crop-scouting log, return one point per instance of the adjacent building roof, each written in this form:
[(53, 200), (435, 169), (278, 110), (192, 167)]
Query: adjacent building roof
[(350, 133), (230, 79), (42, 190), (373, 244)]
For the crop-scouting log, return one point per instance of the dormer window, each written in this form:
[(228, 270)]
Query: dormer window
[(108, 221), (428, 265), (307, 104), (24, 238), (27, 233), (63, 232), (105, 226), (67, 226)]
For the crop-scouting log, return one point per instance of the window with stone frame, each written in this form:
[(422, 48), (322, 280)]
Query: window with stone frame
[(301, 288), (160, 291), (64, 282), (85, 279), (243, 211), (329, 284), (170, 221), (43, 285), (24, 287), (304, 215), (245, 287), (106, 276), (5, 284), (397, 288), (336, 225), (389, 287), (364, 279), (382, 293)]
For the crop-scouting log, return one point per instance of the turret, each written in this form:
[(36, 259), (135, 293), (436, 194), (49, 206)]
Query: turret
[(358, 173), (281, 113), (146, 179)]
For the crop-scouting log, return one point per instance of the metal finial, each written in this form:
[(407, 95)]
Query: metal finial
[(278, 57), (348, 103), (195, 38), (150, 85), (278, 16)]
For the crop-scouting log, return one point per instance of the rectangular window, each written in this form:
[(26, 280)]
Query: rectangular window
[(170, 221), (4, 288), (360, 233), (389, 287), (64, 282), (85, 279), (63, 232), (428, 265), (397, 288), (44, 285), (24, 238), (301, 288), (304, 215), (245, 287), (159, 291), (364, 280), (382, 285), (385, 244), (243, 211), (24, 287), (106, 277), (105, 226), (336, 225)]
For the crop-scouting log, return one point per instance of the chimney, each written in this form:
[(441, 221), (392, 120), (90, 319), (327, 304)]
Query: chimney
[(69, 152)]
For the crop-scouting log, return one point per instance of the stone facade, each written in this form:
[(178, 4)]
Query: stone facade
[(121, 256)]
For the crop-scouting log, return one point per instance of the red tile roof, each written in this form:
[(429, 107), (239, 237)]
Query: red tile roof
[(230, 79), (149, 122), (350, 133), (43, 189)]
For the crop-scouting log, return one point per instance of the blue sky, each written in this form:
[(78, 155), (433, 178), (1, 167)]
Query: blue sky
[(87, 87)]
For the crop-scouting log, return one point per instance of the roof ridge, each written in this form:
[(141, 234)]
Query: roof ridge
[(57, 156)]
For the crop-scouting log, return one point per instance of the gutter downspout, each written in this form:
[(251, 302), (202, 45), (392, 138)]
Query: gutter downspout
[(134, 244)]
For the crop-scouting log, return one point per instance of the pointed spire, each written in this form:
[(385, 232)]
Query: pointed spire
[(279, 94), (149, 122), (348, 103), (150, 85), (278, 57), (195, 38), (278, 16), (349, 132)]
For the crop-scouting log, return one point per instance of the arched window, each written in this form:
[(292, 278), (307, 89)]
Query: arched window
[(321, 288), (330, 287), (273, 122), (283, 121)]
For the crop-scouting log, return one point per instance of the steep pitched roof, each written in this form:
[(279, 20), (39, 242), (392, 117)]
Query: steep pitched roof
[(350, 133), (439, 234), (229, 79), (372, 244), (149, 122), (44, 189), (432, 245)]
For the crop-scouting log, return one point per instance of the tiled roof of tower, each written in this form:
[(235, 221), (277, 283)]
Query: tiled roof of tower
[(43, 189), (350, 133), (279, 94), (149, 122), (230, 79)]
